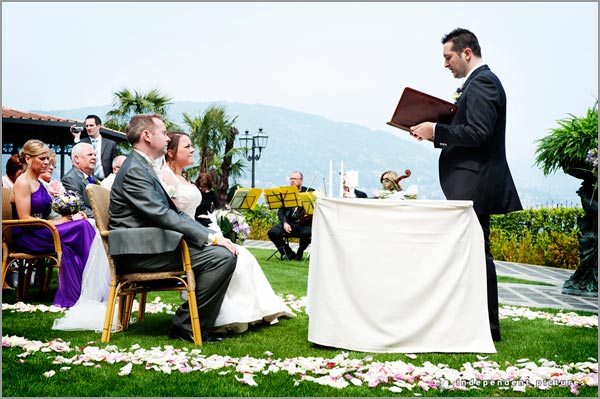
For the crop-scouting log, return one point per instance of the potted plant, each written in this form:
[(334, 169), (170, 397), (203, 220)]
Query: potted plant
[(573, 147)]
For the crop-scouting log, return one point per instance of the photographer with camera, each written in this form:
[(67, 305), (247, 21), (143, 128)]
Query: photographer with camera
[(105, 149)]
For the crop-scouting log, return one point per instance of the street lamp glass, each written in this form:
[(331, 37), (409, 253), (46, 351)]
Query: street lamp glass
[(246, 141), (261, 139)]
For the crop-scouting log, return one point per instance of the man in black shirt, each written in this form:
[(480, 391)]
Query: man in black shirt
[(293, 222)]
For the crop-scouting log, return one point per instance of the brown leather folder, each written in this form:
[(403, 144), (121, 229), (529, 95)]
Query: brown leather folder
[(415, 107)]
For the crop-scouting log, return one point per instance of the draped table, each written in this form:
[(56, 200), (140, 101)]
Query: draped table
[(397, 276)]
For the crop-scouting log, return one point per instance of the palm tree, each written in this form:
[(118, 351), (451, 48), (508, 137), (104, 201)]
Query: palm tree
[(213, 133), (127, 103)]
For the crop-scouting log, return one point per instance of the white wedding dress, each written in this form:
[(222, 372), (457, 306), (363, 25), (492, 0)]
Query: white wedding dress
[(249, 299), (89, 311)]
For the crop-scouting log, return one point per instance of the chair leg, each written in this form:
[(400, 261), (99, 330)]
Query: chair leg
[(142, 307), (24, 281), (193, 305), (127, 306), (110, 311), (123, 303), (275, 253), (48, 274)]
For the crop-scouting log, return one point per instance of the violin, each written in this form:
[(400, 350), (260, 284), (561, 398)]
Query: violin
[(406, 174), (306, 220)]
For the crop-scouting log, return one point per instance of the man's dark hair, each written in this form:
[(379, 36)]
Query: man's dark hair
[(462, 39), (95, 118)]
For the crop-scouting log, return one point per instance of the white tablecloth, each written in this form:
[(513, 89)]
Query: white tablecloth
[(398, 276)]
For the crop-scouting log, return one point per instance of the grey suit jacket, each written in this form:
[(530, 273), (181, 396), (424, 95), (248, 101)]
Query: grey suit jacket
[(143, 219), (109, 152), (472, 164), (74, 180)]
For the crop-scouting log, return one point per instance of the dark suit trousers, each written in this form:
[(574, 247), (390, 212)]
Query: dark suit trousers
[(213, 267), (304, 233), (492, 281)]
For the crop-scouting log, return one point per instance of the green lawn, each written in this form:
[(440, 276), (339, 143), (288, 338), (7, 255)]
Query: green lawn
[(507, 279), (282, 345)]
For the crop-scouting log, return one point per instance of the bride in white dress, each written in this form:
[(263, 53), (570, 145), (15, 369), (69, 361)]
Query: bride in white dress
[(250, 299)]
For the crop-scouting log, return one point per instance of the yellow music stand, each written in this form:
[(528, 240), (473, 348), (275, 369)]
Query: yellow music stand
[(308, 200), (282, 197), (245, 198)]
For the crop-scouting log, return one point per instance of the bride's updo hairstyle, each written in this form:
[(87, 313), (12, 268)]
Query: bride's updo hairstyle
[(32, 148), (173, 145)]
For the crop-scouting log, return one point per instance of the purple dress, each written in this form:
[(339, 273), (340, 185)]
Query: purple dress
[(75, 237)]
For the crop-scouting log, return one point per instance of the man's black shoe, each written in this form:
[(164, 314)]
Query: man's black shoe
[(180, 333), (209, 338)]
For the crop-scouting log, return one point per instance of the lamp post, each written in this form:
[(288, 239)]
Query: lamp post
[(254, 142)]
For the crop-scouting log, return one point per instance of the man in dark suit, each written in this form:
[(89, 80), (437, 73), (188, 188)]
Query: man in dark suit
[(83, 159), (146, 227), (294, 223), (472, 164), (106, 149)]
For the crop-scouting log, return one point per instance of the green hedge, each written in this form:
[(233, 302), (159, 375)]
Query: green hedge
[(261, 219), (545, 236)]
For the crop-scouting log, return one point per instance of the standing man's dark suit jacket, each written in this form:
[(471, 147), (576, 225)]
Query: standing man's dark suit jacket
[(75, 180), (109, 152), (472, 164)]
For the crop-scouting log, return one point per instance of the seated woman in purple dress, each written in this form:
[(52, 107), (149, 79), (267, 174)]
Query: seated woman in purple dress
[(31, 200)]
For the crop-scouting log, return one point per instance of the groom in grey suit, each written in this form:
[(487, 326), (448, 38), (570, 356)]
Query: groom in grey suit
[(146, 227), (472, 164)]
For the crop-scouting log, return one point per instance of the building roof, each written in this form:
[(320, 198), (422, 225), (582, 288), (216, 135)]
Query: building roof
[(10, 115), (16, 114)]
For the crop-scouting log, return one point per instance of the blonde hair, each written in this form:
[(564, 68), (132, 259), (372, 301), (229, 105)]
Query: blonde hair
[(392, 177), (52, 157), (32, 148)]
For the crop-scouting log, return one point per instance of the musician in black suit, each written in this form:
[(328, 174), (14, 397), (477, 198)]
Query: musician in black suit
[(293, 222), (106, 149), (472, 164)]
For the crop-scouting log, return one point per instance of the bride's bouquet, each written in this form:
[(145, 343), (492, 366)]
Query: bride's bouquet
[(233, 224), (55, 188), (67, 203)]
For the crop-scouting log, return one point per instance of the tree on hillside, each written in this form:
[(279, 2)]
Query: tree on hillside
[(127, 103), (213, 134)]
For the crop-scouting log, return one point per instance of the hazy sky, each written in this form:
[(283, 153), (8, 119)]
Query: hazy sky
[(345, 61)]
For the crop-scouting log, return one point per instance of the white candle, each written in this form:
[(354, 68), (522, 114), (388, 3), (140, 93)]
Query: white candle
[(330, 188), (342, 179)]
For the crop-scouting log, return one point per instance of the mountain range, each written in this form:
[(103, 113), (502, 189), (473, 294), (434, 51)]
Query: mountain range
[(309, 143)]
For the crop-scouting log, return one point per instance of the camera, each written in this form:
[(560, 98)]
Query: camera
[(77, 129)]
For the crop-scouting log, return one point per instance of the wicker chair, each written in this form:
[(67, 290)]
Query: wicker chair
[(25, 262), (126, 286)]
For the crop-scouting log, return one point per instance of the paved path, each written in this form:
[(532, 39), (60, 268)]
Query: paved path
[(538, 296)]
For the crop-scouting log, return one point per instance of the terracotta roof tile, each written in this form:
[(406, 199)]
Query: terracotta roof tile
[(15, 114)]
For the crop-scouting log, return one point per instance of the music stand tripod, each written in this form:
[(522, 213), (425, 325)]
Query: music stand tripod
[(282, 197)]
